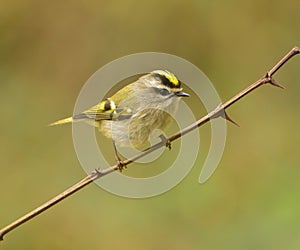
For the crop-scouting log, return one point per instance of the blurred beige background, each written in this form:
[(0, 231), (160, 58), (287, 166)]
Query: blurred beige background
[(50, 48)]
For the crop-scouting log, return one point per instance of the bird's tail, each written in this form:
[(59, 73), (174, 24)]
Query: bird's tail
[(63, 121)]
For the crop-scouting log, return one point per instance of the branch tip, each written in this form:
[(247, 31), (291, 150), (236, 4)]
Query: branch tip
[(296, 50)]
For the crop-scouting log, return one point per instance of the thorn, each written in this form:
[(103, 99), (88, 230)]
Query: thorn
[(276, 84), (228, 118), (97, 171), (222, 113)]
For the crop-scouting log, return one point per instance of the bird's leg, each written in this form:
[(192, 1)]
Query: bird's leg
[(120, 163), (166, 141)]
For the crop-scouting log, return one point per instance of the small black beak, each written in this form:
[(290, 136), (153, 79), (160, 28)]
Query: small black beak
[(182, 94)]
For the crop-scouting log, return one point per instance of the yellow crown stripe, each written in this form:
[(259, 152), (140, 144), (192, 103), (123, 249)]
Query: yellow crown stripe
[(171, 77)]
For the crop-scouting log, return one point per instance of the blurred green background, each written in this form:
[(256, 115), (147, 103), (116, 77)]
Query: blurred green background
[(50, 48)]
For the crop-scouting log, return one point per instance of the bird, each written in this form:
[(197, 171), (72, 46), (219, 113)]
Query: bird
[(130, 115)]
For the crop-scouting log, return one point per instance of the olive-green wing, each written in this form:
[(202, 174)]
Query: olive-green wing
[(114, 108), (105, 110)]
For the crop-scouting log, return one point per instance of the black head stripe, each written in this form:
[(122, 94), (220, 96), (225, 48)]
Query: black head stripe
[(165, 81)]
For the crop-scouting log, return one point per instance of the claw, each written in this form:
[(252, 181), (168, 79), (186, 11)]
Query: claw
[(166, 141), (120, 164)]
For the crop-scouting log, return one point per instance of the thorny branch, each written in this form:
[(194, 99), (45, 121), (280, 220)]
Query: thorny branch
[(96, 174)]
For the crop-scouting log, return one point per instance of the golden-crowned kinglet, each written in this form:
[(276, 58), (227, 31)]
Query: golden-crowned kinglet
[(132, 113)]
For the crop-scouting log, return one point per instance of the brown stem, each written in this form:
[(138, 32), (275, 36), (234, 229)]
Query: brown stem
[(96, 174)]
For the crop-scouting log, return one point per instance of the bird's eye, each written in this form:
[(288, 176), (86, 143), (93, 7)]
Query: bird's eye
[(164, 92)]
